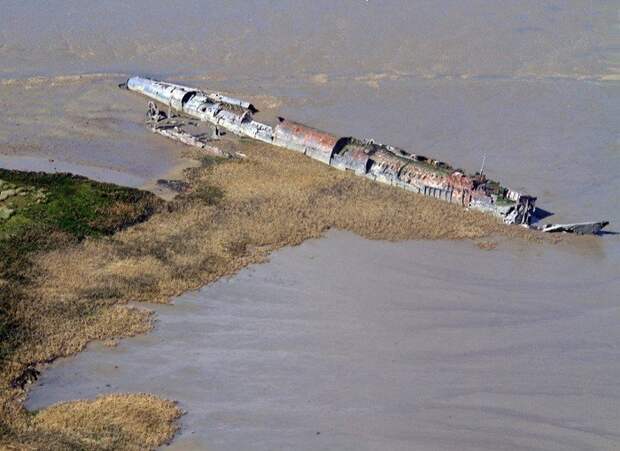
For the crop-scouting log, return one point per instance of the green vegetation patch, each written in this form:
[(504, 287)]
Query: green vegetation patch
[(40, 212), (66, 203)]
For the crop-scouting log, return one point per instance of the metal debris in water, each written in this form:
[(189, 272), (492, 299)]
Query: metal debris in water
[(581, 228)]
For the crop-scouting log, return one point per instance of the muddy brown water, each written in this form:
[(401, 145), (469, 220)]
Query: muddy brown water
[(343, 343), (374, 345)]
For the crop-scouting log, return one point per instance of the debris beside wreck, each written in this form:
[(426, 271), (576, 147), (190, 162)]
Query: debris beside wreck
[(379, 162), (580, 228), (173, 127)]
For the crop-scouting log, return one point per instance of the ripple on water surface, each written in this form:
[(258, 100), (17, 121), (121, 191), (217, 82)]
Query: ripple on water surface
[(374, 345)]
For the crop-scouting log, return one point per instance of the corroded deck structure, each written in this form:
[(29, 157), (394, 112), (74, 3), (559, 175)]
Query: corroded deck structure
[(380, 162)]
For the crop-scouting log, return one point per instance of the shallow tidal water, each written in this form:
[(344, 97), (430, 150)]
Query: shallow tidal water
[(344, 343), (416, 345)]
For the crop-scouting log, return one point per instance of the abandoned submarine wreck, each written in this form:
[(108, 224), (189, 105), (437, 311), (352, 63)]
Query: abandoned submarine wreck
[(380, 162)]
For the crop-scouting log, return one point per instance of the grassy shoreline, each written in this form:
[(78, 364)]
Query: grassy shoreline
[(77, 290), (45, 212), (51, 211)]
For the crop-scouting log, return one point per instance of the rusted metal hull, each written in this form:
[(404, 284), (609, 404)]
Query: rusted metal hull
[(231, 114), (307, 140), (379, 162)]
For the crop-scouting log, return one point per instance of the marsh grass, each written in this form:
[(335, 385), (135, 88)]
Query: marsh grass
[(239, 212), (111, 422), (71, 209)]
